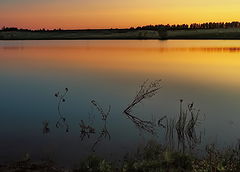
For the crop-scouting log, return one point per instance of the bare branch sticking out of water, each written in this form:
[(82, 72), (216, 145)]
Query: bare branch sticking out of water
[(86, 130), (62, 122), (104, 134), (147, 90)]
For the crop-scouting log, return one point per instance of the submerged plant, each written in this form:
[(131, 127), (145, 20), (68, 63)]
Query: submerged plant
[(61, 122)]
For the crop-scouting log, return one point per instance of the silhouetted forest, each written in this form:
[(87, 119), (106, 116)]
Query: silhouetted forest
[(208, 25)]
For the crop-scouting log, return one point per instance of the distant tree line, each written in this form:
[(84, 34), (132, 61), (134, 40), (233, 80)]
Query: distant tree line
[(13, 29), (209, 25), (19, 29)]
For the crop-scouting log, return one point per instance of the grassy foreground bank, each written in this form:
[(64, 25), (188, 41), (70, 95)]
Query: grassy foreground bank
[(153, 157), (231, 33)]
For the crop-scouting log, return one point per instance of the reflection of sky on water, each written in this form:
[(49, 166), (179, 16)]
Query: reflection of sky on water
[(110, 72)]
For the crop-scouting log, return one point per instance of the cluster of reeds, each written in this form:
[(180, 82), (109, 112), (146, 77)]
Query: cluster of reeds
[(186, 126), (183, 128)]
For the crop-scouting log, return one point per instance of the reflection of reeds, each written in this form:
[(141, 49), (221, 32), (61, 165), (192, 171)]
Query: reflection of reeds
[(169, 132), (190, 130), (147, 90), (185, 127), (180, 126)]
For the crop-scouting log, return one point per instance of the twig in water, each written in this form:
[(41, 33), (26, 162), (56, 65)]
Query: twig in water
[(62, 120)]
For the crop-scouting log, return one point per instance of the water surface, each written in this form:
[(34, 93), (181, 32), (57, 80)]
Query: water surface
[(110, 72)]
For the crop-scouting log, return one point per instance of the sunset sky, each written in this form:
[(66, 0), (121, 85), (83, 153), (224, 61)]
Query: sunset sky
[(81, 14)]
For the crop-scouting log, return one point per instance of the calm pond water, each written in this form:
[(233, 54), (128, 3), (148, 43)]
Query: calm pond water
[(110, 72)]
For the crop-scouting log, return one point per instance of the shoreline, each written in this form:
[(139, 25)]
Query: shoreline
[(195, 34)]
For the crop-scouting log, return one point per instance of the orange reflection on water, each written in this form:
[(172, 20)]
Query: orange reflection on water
[(209, 66)]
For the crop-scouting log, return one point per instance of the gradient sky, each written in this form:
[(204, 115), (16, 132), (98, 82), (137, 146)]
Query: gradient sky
[(74, 14)]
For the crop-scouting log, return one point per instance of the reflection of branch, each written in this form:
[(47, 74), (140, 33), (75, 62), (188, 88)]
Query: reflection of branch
[(104, 134), (146, 91), (86, 130), (62, 120), (160, 124)]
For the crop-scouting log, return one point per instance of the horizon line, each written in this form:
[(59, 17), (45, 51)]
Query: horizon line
[(129, 27)]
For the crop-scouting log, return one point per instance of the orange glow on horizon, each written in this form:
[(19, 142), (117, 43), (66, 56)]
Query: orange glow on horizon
[(78, 15)]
